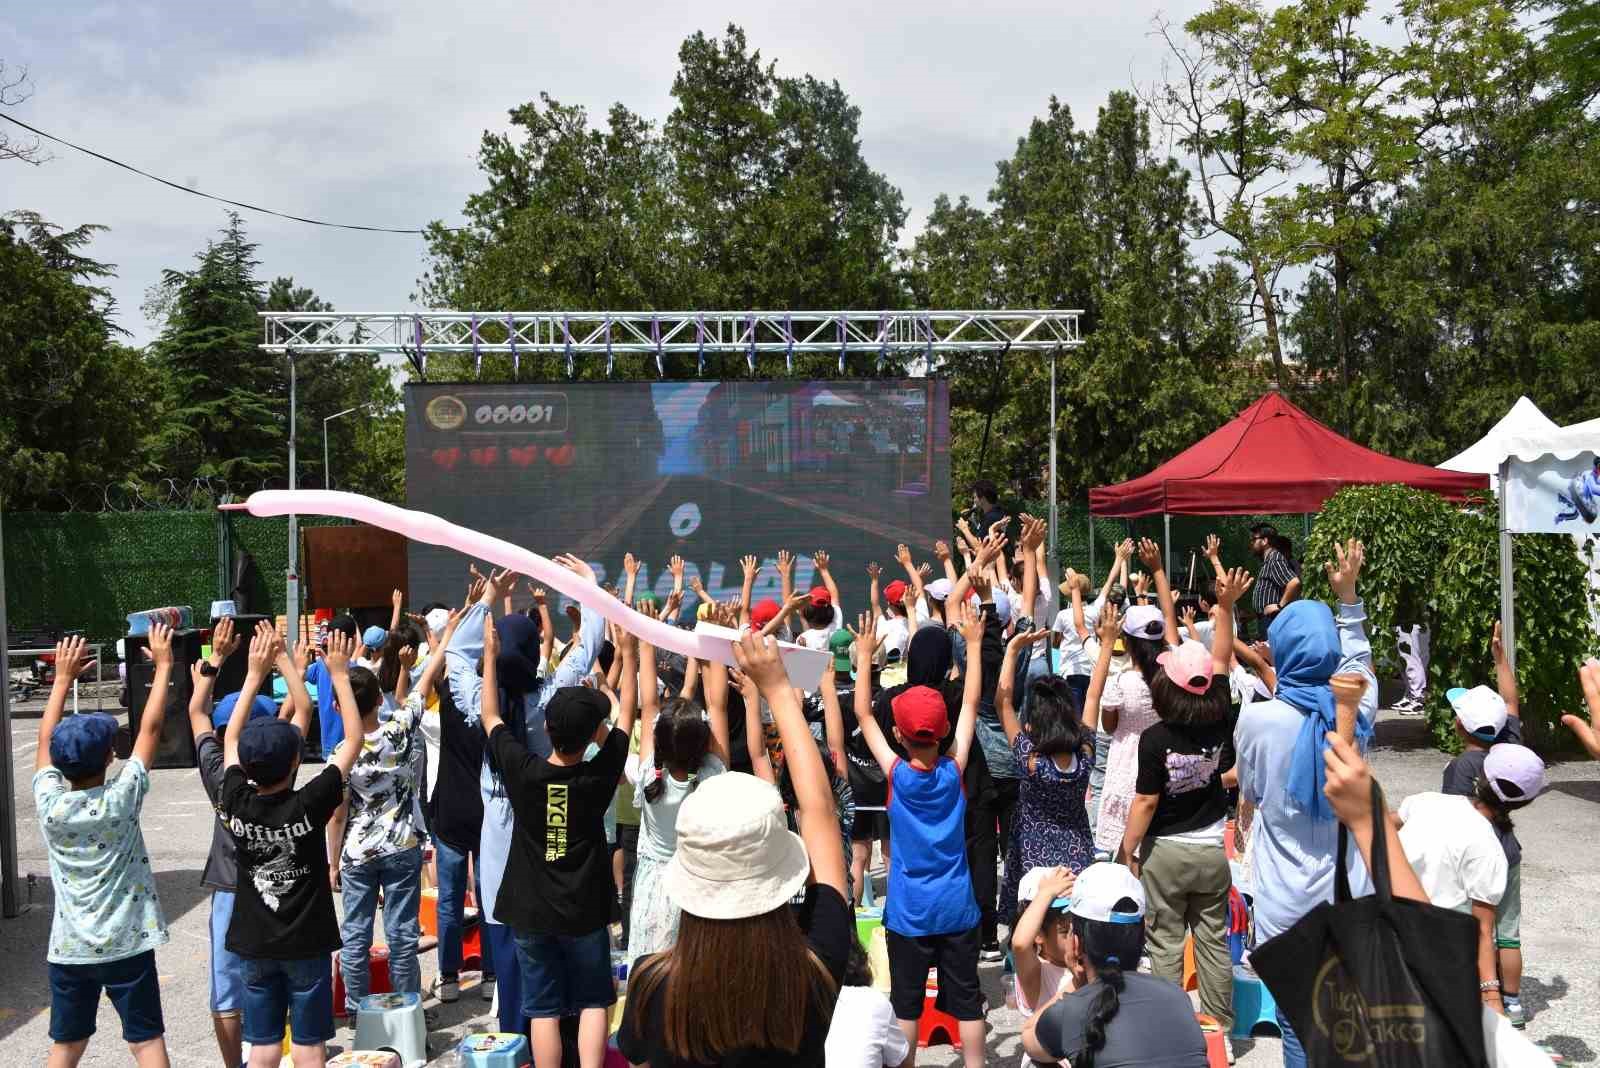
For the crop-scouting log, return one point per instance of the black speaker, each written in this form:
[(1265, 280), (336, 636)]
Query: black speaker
[(176, 747), (230, 675)]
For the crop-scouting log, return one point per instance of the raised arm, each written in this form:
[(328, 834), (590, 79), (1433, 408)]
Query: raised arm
[(223, 642), (946, 561), (72, 660), (1033, 534), (874, 574), (263, 651), (1150, 556), (491, 687), (791, 605), (649, 702), (1505, 676), (396, 600), (902, 553), (1349, 791), (433, 670), (1589, 679), (833, 719), (675, 567), (700, 592), (340, 648), (750, 569), (1005, 684), (715, 678), (815, 810), (1350, 618), (785, 576), (866, 634), (628, 685), (972, 627), (755, 735), (547, 625), (820, 560), (1109, 624), (293, 669), (580, 659), (1255, 662), (1231, 585)]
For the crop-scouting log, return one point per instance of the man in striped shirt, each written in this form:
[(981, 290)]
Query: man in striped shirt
[(1277, 585)]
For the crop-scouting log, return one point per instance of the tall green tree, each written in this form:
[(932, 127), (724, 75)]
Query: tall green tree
[(228, 408), (74, 402)]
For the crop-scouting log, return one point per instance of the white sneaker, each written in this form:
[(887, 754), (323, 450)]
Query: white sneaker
[(449, 990), (1227, 1045)]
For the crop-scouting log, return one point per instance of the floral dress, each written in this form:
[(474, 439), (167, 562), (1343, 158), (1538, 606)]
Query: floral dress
[(1128, 693), (1052, 824), (653, 922)]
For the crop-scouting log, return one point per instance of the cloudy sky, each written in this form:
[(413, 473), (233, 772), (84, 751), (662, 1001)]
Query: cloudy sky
[(370, 111)]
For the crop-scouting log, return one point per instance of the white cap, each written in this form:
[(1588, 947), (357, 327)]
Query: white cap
[(1514, 772), (1028, 888), (437, 620), (1144, 621), (1481, 711), (1100, 888), (939, 589)]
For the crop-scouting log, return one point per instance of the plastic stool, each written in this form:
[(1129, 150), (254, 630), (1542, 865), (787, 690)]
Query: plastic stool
[(366, 1058), (1191, 977), (393, 1021), (1216, 1047), (935, 1021), (377, 977), (867, 921), (496, 1049), (1253, 1005)]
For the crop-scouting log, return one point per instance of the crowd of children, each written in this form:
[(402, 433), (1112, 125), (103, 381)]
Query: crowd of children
[(715, 826)]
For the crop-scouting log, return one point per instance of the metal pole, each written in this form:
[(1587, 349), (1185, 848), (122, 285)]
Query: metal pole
[(1166, 538), (1055, 593), (292, 594), (1508, 613), (327, 482), (8, 825), (1091, 549)]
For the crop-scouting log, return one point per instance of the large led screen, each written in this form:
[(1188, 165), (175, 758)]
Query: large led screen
[(709, 471)]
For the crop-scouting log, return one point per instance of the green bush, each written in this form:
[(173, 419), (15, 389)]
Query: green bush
[(1407, 533), (1553, 629)]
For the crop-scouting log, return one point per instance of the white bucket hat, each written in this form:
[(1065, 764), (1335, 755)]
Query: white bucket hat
[(736, 856)]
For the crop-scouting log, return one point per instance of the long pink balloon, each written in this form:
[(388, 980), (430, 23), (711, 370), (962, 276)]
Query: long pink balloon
[(805, 666)]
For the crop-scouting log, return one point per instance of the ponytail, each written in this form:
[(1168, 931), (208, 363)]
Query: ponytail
[(653, 788), (1112, 984), (682, 739), (1499, 811), (1111, 948)]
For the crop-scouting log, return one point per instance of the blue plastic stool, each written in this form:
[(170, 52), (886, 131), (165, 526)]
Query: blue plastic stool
[(393, 1021), (496, 1049), (1253, 1005)]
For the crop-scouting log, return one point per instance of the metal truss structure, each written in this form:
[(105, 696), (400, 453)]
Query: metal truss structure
[(591, 333)]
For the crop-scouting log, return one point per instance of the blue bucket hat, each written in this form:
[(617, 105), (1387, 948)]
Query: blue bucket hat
[(261, 708), (80, 744)]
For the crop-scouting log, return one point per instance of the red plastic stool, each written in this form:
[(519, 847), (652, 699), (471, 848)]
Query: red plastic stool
[(935, 1021), (1216, 1045), (377, 977)]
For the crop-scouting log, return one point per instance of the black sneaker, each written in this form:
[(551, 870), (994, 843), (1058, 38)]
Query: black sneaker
[(991, 952)]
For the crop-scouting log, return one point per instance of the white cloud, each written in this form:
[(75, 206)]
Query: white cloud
[(370, 111)]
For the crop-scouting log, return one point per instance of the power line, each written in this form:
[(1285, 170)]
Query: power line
[(208, 196)]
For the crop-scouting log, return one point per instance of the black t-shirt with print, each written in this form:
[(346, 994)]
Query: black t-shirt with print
[(283, 907), (826, 920), (222, 871), (1183, 764), (455, 807), (559, 860)]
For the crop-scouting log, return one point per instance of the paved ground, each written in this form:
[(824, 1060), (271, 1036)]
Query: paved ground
[(1561, 929)]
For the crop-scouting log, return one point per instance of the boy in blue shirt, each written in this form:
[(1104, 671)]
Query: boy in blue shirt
[(932, 918), (107, 921)]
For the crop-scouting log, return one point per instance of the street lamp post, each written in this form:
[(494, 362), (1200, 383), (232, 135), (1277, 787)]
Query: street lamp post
[(327, 483)]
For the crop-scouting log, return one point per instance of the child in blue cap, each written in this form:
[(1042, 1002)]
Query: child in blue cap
[(108, 921)]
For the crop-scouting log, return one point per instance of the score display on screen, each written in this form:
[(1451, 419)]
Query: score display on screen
[(709, 471)]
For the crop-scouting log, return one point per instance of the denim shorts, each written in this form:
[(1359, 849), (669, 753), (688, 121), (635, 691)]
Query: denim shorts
[(132, 986), (227, 967), (301, 989), (565, 974)]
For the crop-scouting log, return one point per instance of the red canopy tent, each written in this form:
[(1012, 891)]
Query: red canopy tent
[(1272, 458)]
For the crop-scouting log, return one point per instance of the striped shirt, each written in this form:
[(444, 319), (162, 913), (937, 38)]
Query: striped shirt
[(1274, 577)]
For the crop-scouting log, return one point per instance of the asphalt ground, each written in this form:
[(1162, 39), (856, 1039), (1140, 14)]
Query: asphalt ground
[(1560, 925)]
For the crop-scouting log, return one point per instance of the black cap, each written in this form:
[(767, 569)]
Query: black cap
[(267, 748)]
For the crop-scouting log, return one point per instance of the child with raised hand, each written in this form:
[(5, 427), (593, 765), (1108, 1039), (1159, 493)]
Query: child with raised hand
[(1039, 937), (1485, 718), (283, 923), (380, 828), (559, 863), (1054, 755), (680, 746), (107, 920), (932, 918), (221, 873), (1589, 679)]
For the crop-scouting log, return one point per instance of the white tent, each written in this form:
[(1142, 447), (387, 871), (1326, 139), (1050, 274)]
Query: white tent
[(1484, 456)]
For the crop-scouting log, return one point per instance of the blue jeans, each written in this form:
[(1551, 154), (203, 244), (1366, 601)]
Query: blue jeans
[(227, 969), (130, 983), (399, 875), (565, 974), (1097, 775), (501, 948), (1293, 1055), (452, 867)]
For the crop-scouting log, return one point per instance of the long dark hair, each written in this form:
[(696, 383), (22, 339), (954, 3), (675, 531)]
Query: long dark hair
[(1144, 651), (1499, 811), (1174, 704), (682, 739), (1055, 724), (733, 984), (389, 666), (1113, 949)]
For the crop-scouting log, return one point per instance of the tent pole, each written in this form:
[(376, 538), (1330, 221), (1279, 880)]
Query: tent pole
[(1508, 614), (1091, 549), (1166, 538), (1305, 532), (1055, 594), (9, 906)]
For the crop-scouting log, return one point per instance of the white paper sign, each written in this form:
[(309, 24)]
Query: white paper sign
[(1553, 496)]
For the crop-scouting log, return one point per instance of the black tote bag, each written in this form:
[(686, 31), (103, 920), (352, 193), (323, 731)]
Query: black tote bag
[(1378, 981)]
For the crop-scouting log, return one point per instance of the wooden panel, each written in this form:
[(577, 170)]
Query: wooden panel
[(353, 566)]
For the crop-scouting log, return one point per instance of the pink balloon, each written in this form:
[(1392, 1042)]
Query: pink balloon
[(705, 642)]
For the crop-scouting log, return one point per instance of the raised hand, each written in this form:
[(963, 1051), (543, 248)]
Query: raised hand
[(1349, 783), (1021, 641), (1109, 625), (820, 560), (540, 598), (1497, 645), (475, 585), (1186, 617), (874, 571), (1058, 883), (1589, 679), (1033, 532), (1343, 572), (491, 641), (992, 547), (695, 585), (1124, 550), (675, 567), (751, 567), (674, 602), (304, 652), (1231, 585), (224, 638), (263, 649), (341, 647), (408, 657), (902, 553), (630, 564), (1213, 547), (923, 571), (578, 567), (865, 633), (941, 550), (758, 658), (785, 562), (978, 578), (1150, 555), (1141, 584), (161, 643), (396, 599), (971, 624), (72, 657)]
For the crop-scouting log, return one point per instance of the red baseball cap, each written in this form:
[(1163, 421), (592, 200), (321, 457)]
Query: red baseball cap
[(820, 596), (920, 714), (895, 592), (763, 612)]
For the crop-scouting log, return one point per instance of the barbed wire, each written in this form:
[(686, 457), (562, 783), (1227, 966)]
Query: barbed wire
[(197, 494)]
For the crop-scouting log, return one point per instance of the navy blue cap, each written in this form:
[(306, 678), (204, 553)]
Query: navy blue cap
[(260, 708), (267, 748), (80, 744)]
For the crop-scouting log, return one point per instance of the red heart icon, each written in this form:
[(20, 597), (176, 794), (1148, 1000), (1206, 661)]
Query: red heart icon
[(565, 454), (447, 458), (550, 453), (524, 456), (485, 457)]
